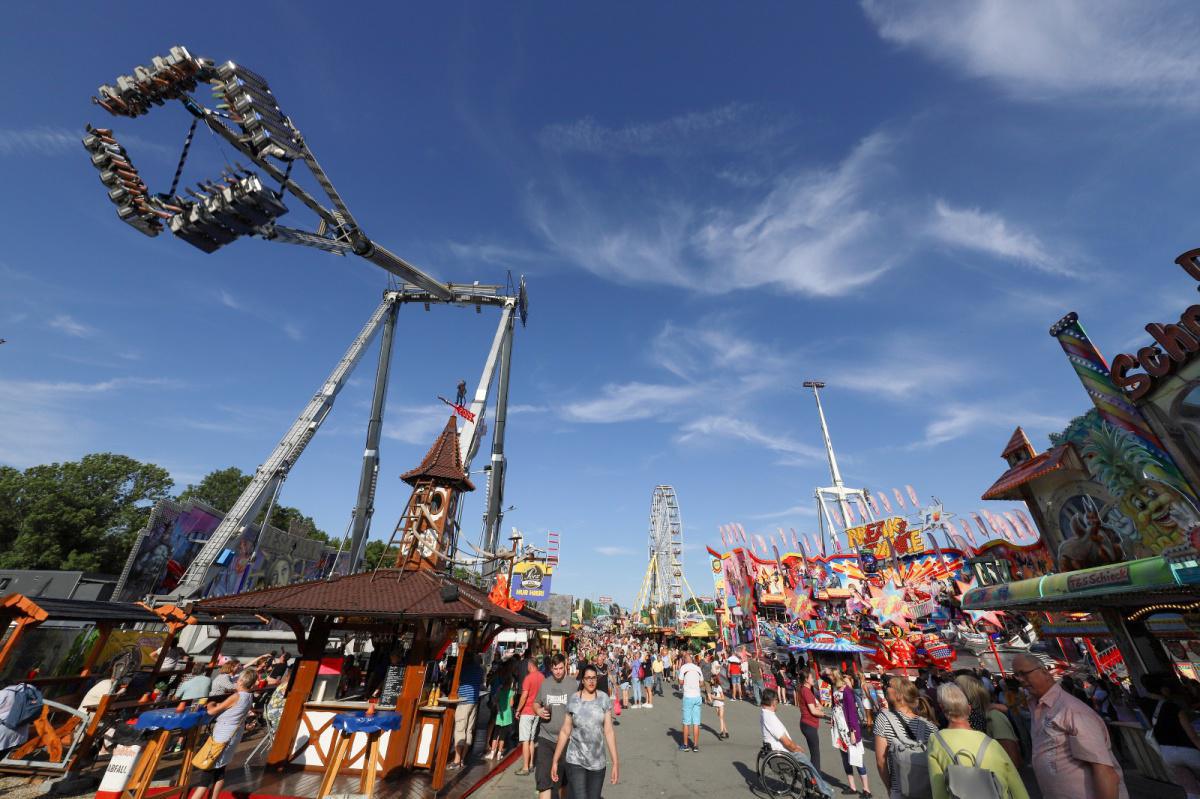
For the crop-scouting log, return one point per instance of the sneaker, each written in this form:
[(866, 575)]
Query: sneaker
[(684, 748), (649, 707), (522, 772), (695, 748)]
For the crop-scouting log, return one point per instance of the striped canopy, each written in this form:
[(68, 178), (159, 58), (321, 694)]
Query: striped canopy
[(837, 645)]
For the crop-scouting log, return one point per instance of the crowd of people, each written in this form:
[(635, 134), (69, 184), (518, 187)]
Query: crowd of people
[(937, 734)]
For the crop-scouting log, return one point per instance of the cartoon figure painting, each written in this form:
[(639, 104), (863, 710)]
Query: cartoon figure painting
[(1161, 514)]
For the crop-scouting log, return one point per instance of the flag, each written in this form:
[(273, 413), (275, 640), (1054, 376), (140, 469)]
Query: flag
[(871, 502), (966, 525), (887, 505), (837, 545), (762, 543), (724, 540), (913, 496), (795, 541), (899, 499), (848, 509), (1029, 528), (862, 509), (1014, 524), (983, 528)]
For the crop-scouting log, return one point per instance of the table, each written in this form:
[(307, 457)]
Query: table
[(164, 723), (347, 726)]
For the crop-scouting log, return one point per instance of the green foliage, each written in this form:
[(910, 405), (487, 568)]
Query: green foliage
[(76, 515), (222, 487), (374, 553), (1077, 429), (84, 515)]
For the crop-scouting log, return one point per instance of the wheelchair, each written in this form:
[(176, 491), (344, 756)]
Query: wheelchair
[(779, 774)]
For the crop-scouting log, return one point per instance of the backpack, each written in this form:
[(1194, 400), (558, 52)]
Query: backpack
[(909, 760), (973, 781), (25, 705)]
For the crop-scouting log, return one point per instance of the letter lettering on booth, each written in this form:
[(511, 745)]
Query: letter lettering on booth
[(1134, 385), (1154, 362)]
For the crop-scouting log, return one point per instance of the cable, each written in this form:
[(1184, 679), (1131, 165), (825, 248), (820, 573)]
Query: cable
[(187, 143)]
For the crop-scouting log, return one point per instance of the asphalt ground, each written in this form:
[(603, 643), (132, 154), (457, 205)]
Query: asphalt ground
[(652, 765)]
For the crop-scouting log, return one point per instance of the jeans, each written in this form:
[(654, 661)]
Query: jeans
[(800, 757), (1184, 764), (658, 689), (637, 691), (584, 783), (756, 687)]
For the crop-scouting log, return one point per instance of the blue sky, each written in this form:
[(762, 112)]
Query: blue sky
[(711, 202)]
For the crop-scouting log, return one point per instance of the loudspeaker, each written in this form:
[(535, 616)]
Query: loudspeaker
[(449, 592)]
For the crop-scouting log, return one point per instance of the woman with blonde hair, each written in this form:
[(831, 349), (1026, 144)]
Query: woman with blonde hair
[(847, 731), (988, 718), (226, 733), (904, 727)]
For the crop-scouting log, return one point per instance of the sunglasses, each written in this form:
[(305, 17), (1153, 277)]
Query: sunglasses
[(1020, 673)]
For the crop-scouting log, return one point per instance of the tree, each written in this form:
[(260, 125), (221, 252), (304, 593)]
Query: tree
[(221, 488), (374, 553), (77, 515)]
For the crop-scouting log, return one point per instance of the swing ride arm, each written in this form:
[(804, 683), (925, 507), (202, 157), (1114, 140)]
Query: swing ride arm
[(274, 469)]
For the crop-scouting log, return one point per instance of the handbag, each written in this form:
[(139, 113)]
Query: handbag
[(207, 755), (616, 705)]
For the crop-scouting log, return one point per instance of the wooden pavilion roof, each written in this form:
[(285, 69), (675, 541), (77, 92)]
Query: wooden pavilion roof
[(388, 594)]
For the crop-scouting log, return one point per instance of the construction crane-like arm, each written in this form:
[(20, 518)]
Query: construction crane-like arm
[(275, 468)]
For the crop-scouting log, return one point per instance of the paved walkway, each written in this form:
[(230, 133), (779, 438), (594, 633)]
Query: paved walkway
[(653, 766)]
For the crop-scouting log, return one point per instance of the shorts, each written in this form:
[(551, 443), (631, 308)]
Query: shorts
[(735, 679), (691, 710), (527, 728), (717, 703), (647, 681), (206, 778), (464, 722), (502, 732), (541, 759), (625, 686)]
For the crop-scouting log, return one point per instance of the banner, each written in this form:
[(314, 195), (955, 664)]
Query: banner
[(875, 536), (531, 580)]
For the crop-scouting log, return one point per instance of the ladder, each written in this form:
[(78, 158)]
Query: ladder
[(274, 470)]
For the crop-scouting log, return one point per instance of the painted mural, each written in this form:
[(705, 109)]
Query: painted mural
[(175, 534)]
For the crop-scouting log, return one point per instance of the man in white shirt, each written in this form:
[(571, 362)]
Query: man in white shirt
[(775, 735), (690, 679)]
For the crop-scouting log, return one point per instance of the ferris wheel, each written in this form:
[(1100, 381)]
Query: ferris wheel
[(662, 592)]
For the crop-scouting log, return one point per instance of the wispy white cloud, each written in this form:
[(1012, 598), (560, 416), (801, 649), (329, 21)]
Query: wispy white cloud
[(293, 331), (498, 254), (708, 348), (957, 420), (45, 421), (230, 301), (992, 235), (414, 424), (905, 369), (626, 402), (1114, 51), (613, 551), (710, 427), (65, 323), (735, 126), (51, 141), (817, 232), (795, 510)]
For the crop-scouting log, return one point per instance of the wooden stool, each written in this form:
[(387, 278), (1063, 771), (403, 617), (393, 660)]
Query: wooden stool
[(165, 724), (347, 725)]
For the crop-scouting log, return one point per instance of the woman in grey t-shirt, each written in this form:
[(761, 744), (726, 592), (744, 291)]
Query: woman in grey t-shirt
[(586, 729)]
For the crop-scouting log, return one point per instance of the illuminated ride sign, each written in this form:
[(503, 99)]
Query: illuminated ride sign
[(874, 537)]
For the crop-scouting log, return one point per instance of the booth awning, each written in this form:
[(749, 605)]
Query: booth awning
[(1128, 584)]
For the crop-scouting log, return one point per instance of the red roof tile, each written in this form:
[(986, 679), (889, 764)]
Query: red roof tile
[(443, 461), (1024, 472), (1019, 441), (386, 594)]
